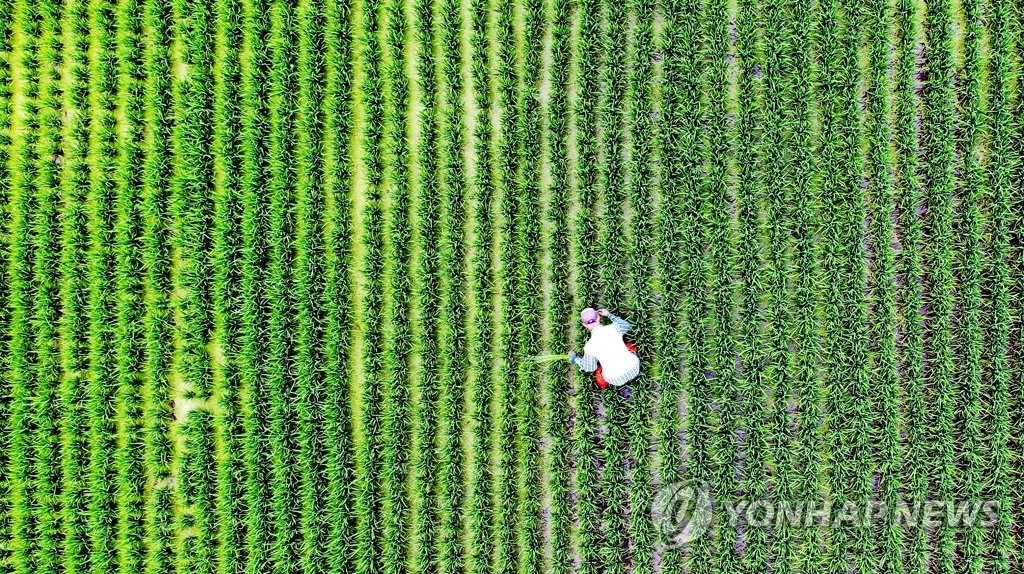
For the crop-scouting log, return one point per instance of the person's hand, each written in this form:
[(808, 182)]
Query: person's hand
[(603, 312), (572, 356)]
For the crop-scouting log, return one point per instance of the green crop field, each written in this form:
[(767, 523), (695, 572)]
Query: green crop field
[(279, 277)]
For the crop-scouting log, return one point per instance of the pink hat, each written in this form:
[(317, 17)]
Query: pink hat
[(588, 316)]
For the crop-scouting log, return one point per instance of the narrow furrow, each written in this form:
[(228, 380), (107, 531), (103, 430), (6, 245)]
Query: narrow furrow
[(394, 379), (6, 21), (338, 291), (718, 147), (426, 296), (74, 328), (805, 470), (254, 350), (157, 414), (640, 119), (308, 286), (24, 135), (585, 428), (228, 307), (282, 364), (939, 149), (45, 289), (130, 281), (508, 329), (559, 311), (751, 193), (102, 203), (997, 343), (481, 284), (678, 139), (970, 263), (610, 262), (451, 306), (778, 199), (886, 393), (368, 496), (909, 201)]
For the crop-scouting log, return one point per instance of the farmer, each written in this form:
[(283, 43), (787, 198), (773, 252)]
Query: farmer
[(618, 361)]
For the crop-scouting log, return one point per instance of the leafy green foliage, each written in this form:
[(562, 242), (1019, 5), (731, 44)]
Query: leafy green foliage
[(480, 508), (886, 393), (227, 302), (425, 280), (101, 205), (130, 280), (910, 266), (996, 360), (288, 284), (254, 64), (74, 328), (939, 149)]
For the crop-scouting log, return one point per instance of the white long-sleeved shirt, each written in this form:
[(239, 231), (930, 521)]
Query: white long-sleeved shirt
[(618, 364)]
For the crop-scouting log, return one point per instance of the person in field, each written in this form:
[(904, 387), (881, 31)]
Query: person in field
[(612, 360)]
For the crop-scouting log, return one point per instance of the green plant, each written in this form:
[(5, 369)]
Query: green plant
[(254, 66), (101, 206), (338, 293), (393, 375), (1003, 161), (426, 296), (309, 286), (754, 147), (940, 150), (74, 328), (610, 259), (368, 454), (157, 173), (527, 292), (971, 263), (282, 384), (45, 311), (909, 199), (451, 338), (481, 518), (558, 456), (588, 529), (886, 391), (129, 280)]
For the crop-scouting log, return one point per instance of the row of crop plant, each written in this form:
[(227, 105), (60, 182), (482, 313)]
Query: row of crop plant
[(640, 120), (426, 220), (5, 190)]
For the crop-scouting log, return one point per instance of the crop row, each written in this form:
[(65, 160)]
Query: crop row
[(5, 310)]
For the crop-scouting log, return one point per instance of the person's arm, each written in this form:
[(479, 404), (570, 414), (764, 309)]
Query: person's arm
[(621, 325), (586, 363)]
